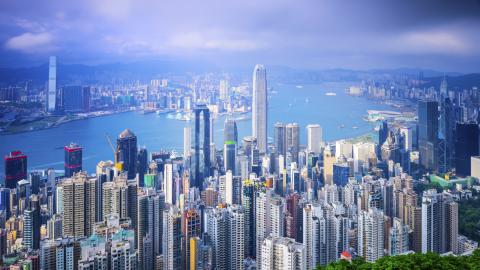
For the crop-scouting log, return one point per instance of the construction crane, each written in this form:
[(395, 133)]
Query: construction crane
[(115, 152)]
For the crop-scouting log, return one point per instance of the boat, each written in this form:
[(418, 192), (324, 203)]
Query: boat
[(355, 127), (299, 86), (330, 94)]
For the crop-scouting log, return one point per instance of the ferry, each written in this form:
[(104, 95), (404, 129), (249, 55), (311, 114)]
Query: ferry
[(330, 94), (299, 86)]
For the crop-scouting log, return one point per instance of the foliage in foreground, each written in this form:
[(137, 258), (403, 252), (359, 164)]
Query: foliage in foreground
[(412, 261)]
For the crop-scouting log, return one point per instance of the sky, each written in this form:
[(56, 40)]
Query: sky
[(313, 34)]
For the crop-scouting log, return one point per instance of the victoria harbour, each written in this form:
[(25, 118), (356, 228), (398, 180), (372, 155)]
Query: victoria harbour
[(289, 103)]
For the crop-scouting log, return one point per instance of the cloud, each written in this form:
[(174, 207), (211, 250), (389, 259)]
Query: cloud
[(196, 40), (436, 41), (30, 42)]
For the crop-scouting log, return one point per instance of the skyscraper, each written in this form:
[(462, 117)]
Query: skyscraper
[(314, 138), (230, 132), (466, 146), (202, 145), (172, 238), (52, 84), (15, 168), (73, 159), (229, 156), (439, 222), (187, 142), (371, 234), (279, 139), (127, 152), (76, 98), (260, 107), (293, 140), (279, 253), (428, 133)]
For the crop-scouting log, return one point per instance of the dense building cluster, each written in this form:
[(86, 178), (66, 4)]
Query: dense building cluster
[(254, 204)]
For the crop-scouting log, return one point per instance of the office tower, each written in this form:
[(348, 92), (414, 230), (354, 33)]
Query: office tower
[(466, 146), (78, 205), (407, 138), (293, 140), (362, 151), (202, 146), (314, 138), (398, 238), (382, 133), (5, 202), (142, 165), (35, 179), (132, 201), (446, 134), (115, 198), (248, 203), (439, 222), (52, 84), (371, 234), (172, 238), (191, 228), (277, 216), (3, 244), (22, 194), (279, 139), (260, 107), (127, 152), (187, 142), (390, 149), (230, 132), (15, 168), (294, 217), (73, 159), (474, 167), (280, 253), (32, 223), (169, 184), (341, 173), (229, 156), (428, 133), (328, 161), (343, 149), (76, 99)]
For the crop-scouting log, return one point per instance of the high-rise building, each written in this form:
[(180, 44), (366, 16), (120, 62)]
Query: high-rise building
[(142, 165), (230, 156), (260, 107), (52, 85), (76, 98), (172, 238), (314, 138), (60, 254), (328, 161), (398, 238), (169, 184), (202, 146), (78, 201), (248, 203), (293, 140), (114, 198), (428, 133), (224, 90), (191, 228), (446, 133), (279, 139), (127, 152), (280, 253), (15, 168), (73, 159), (371, 234), (32, 223), (439, 222), (467, 145), (230, 132)]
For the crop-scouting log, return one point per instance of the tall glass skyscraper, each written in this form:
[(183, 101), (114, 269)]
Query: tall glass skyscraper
[(52, 84), (202, 145), (260, 107), (428, 133), (127, 152)]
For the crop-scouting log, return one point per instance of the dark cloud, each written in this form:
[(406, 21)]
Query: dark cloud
[(314, 34)]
